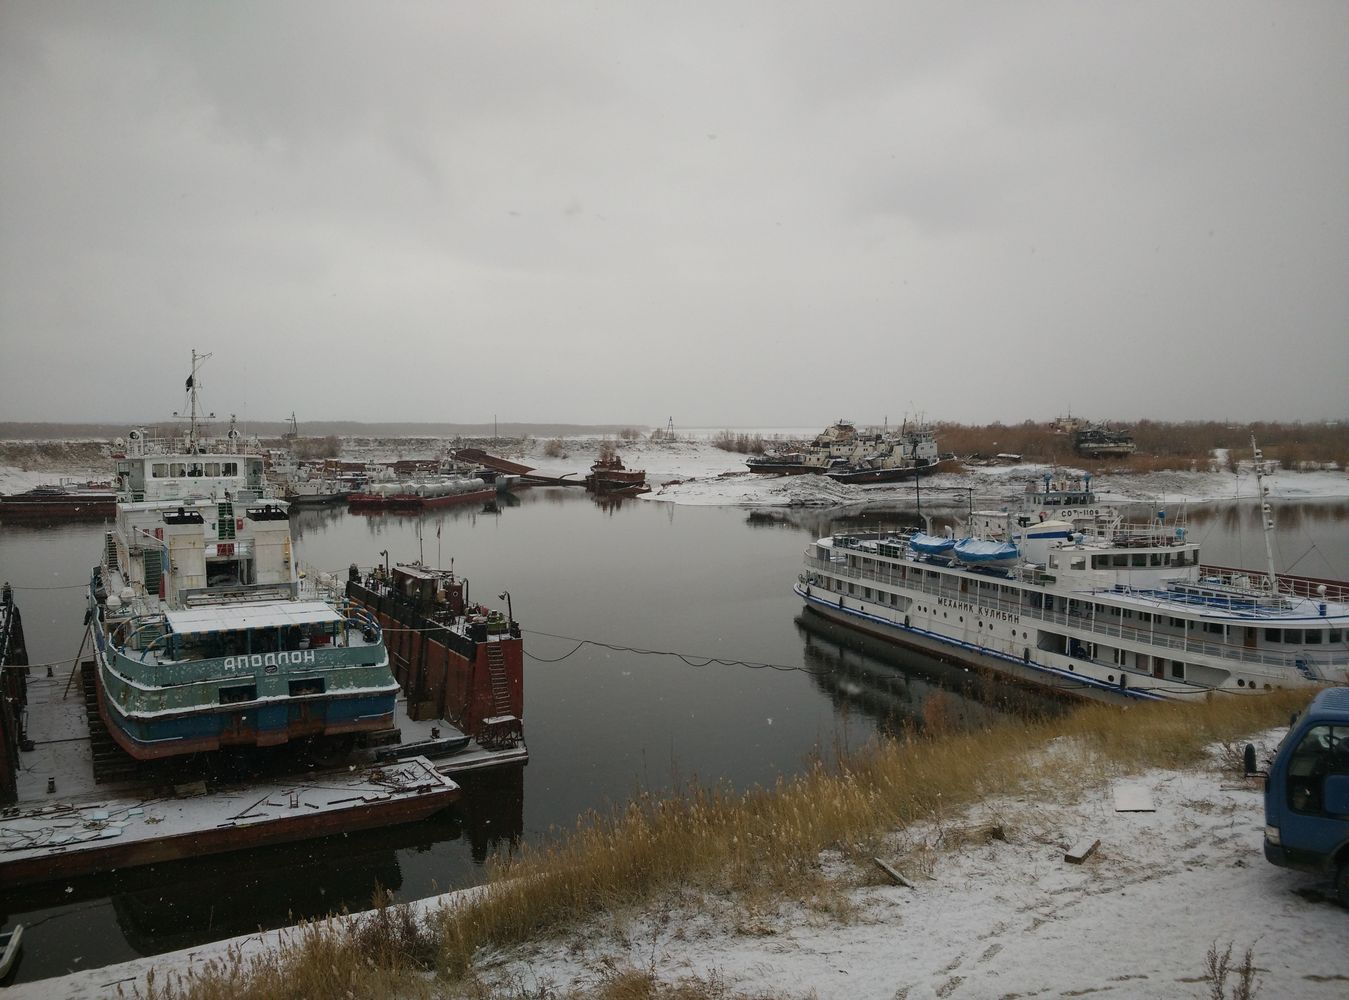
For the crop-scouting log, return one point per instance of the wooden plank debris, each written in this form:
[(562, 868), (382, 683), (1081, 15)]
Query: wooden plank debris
[(895, 876), (1082, 850)]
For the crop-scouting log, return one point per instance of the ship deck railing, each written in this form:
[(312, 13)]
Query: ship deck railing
[(1287, 584), (1085, 620)]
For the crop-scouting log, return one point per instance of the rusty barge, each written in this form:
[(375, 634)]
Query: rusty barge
[(455, 660)]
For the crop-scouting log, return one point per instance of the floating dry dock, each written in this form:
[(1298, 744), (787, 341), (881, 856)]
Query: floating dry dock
[(65, 824)]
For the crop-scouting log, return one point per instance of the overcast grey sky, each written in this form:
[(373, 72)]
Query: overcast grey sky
[(735, 214)]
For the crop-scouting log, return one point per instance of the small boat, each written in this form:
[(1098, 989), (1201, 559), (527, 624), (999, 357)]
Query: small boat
[(986, 553), (10, 943), (932, 546), (609, 477), (1103, 441)]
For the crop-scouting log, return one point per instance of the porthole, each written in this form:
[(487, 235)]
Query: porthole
[(1110, 678), (1240, 683)]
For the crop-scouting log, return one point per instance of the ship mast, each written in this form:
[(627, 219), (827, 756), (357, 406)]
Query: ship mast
[(1266, 515), (192, 419)]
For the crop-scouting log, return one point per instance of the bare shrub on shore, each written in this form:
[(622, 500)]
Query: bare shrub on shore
[(762, 844), (555, 448), (630, 434), (1218, 967), (744, 444)]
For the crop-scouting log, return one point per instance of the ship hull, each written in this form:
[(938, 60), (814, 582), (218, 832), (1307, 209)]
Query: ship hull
[(1026, 670), (258, 724), (896, 475), (72, 509)]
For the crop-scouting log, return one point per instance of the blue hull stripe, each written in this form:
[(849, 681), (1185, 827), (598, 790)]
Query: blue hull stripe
[(1076, 679)]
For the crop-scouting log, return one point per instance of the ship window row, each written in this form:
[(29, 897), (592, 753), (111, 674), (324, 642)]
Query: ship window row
[(1141, 559), (190, 470), (1303, 636)]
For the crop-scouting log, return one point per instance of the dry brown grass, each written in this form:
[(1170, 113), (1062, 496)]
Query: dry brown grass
[(761, 845)]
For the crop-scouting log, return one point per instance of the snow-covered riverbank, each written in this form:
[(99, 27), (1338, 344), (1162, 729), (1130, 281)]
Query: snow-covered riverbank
[(995, 911), (693, 471)]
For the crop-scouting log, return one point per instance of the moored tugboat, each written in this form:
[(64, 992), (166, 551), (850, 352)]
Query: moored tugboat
[(202, 637), (609, 477)]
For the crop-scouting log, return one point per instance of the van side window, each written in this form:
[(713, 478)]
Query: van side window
[(1324, 750)]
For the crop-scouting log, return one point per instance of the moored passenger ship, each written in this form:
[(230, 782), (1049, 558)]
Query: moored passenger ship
[(1129, 611), (202, 636)]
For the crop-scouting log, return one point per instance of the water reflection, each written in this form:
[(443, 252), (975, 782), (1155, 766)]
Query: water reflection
[(165, 907), (902, 690)]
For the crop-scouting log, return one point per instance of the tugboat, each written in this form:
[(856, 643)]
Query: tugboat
[(834, 447), (609, 477), (1103, 441), (847, 456), (202, 635)]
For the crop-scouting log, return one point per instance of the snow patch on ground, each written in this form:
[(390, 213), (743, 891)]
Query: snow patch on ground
[(1009, 917)]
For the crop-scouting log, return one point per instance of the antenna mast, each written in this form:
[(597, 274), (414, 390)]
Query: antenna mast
[(192, 420), (1266, 514)]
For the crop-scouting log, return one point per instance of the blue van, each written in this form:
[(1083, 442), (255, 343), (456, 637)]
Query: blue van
[(1307, 793)]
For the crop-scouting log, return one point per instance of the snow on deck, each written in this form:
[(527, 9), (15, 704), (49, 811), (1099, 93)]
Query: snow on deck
[(73, 833)]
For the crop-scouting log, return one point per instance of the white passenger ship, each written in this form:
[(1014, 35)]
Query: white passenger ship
[(1100, 608)]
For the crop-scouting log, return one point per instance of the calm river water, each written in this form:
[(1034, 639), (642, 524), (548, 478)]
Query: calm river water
[(602, 724)]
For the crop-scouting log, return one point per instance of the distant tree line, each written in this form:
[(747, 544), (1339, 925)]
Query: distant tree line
[(745, 444), (1160, 445)]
